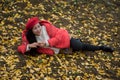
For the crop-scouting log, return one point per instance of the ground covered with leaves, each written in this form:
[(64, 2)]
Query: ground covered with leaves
[(94, 21)]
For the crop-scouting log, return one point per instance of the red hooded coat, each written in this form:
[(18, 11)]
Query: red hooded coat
[(59, 38)]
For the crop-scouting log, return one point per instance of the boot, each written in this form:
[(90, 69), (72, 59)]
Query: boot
[(106, 49)]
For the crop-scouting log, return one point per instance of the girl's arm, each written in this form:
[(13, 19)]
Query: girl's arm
[(23, 47)]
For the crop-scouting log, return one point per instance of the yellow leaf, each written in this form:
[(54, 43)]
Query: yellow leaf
[(48, 78), (118, 72), (2, 49), (37, 69), (101, 72), (77, 78), (2, 23), (32, 71), (17, 15)]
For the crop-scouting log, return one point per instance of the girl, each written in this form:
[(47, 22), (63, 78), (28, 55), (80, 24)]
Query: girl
[(42, 37)]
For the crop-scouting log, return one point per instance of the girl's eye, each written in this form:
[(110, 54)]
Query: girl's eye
[(39, 26), (35, 28)]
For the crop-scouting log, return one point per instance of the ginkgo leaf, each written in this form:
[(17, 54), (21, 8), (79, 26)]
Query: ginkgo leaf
[(95, 22)]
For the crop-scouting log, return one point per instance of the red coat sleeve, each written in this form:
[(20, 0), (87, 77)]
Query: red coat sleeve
[(60, 40), (22, 47), (47, 51)]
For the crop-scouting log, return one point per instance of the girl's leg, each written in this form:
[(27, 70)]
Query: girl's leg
[(77, 45)]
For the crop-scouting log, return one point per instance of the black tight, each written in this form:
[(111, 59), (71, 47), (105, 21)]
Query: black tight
[(77, 45)]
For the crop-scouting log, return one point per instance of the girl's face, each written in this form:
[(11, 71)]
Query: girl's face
[(36, 29)]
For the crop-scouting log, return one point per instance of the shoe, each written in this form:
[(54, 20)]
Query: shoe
[(106, 49)]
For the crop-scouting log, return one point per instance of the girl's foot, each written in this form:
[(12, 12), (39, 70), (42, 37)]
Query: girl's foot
[(106, 49)]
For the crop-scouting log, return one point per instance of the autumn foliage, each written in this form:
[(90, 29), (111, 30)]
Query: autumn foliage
[(94, 21)]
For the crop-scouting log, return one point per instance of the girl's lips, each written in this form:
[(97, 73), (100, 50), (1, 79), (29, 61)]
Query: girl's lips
[(38, 32)]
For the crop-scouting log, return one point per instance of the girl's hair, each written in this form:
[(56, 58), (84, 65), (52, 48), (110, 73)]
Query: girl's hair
[(31, 39), (30, 36)]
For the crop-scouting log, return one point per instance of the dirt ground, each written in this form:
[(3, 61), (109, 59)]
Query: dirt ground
[(93, 21)]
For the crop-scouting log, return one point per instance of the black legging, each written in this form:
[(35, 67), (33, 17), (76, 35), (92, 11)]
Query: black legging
[(77, 45)]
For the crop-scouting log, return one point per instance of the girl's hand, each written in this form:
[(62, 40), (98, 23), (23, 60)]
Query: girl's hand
[(33, 45), (42, 44)]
